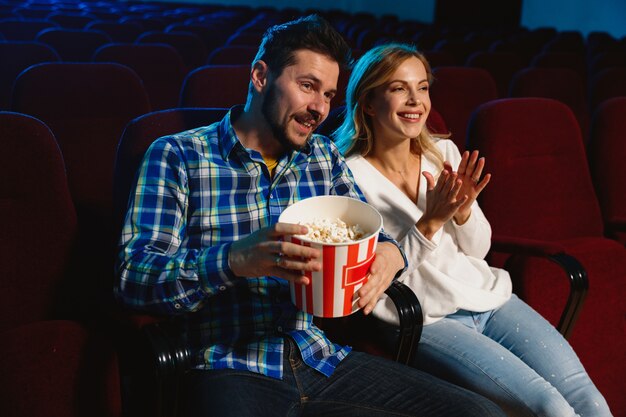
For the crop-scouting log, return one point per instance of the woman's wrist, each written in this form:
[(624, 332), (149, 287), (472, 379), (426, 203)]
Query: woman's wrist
[(427, 228), (461, 217)]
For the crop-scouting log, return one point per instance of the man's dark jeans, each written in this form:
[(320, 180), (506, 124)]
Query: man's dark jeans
[(362, 385)]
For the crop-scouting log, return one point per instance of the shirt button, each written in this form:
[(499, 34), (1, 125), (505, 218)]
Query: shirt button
[(177, 306), (222, 287), (280, 329)]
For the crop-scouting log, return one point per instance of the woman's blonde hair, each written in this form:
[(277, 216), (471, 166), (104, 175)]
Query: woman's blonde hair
[(373, 69)]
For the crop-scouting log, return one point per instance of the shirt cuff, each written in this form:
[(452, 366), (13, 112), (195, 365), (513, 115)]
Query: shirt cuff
[(214, 273), (468, 226), (384, 237)]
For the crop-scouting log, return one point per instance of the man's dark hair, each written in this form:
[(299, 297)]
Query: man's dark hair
[(311, 33)]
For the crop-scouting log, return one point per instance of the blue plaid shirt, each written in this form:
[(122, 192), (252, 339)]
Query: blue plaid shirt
[(196, 193)]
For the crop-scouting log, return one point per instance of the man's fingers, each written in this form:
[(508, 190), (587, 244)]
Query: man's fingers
[(294, 276), (293, 250), (296, 264), (282, 229)]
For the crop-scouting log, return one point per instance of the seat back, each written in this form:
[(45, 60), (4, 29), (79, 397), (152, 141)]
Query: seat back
[(31, 11), (460, 49), (615, 57), (118, 32), (607, 152), (15, 57), (137, 137), (73, 44), (245, 38), (607, 84), (541, 189), (500, 65), (562, 84), (38, 220), (541, 186), (456, 93), (71, 20), (215, 86), (566, 41), (24, 29), (574, 61), (160, 67), (439, 58), (232, 55), (86, 105), (212, 35), (189, 45)]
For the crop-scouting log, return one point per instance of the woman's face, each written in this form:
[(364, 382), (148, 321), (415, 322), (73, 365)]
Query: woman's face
[(399, 107)]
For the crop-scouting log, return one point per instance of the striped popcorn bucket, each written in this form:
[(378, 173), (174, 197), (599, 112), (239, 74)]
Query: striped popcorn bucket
[(345, 266)]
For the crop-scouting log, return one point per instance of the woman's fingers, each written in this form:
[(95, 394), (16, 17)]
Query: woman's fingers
[(463, 164), (430, 180)]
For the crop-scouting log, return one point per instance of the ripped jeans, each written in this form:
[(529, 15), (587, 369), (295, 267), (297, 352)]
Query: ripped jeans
[(514, 357)]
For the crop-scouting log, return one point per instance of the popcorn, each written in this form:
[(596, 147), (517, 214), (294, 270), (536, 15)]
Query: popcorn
[(332, 231)]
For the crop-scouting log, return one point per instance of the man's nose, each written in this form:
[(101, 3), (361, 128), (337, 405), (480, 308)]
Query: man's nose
[(319, 106)]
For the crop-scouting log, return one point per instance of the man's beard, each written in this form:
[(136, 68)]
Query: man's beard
[(268, 109)]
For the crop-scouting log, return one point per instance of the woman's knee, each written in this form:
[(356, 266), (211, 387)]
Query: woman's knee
[(550, 403)]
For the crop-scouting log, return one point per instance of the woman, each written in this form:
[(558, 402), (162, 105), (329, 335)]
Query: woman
[(476, 334)]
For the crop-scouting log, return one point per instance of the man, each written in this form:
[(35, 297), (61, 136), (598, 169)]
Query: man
[(201, 237)]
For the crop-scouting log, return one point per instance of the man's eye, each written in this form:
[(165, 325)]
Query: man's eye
[(306, 86)]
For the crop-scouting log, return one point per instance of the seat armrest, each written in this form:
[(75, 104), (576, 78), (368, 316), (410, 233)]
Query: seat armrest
[(171, 354), (555, 252), (411, 320)]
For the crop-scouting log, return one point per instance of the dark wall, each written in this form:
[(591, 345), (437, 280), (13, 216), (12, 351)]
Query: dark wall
[(478, 12)]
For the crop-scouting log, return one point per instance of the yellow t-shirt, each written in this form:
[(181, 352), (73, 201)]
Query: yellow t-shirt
[(271, 165)]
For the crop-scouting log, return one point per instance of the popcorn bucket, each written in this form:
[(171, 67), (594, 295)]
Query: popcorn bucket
[(345, 266)]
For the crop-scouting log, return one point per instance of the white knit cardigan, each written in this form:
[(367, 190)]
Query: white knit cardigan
[(447, 273)]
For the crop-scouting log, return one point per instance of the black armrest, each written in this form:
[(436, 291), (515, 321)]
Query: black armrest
[(168, 359), (411, 321), (575, 272), (369, 334)]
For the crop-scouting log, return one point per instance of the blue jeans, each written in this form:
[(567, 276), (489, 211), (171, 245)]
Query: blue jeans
[(514, 357), (362, 385)]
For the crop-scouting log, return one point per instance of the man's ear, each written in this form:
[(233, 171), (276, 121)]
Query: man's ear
[(258, 75)]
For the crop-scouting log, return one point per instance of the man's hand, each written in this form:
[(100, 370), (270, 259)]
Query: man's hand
[(264, 253), (387, 263)]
